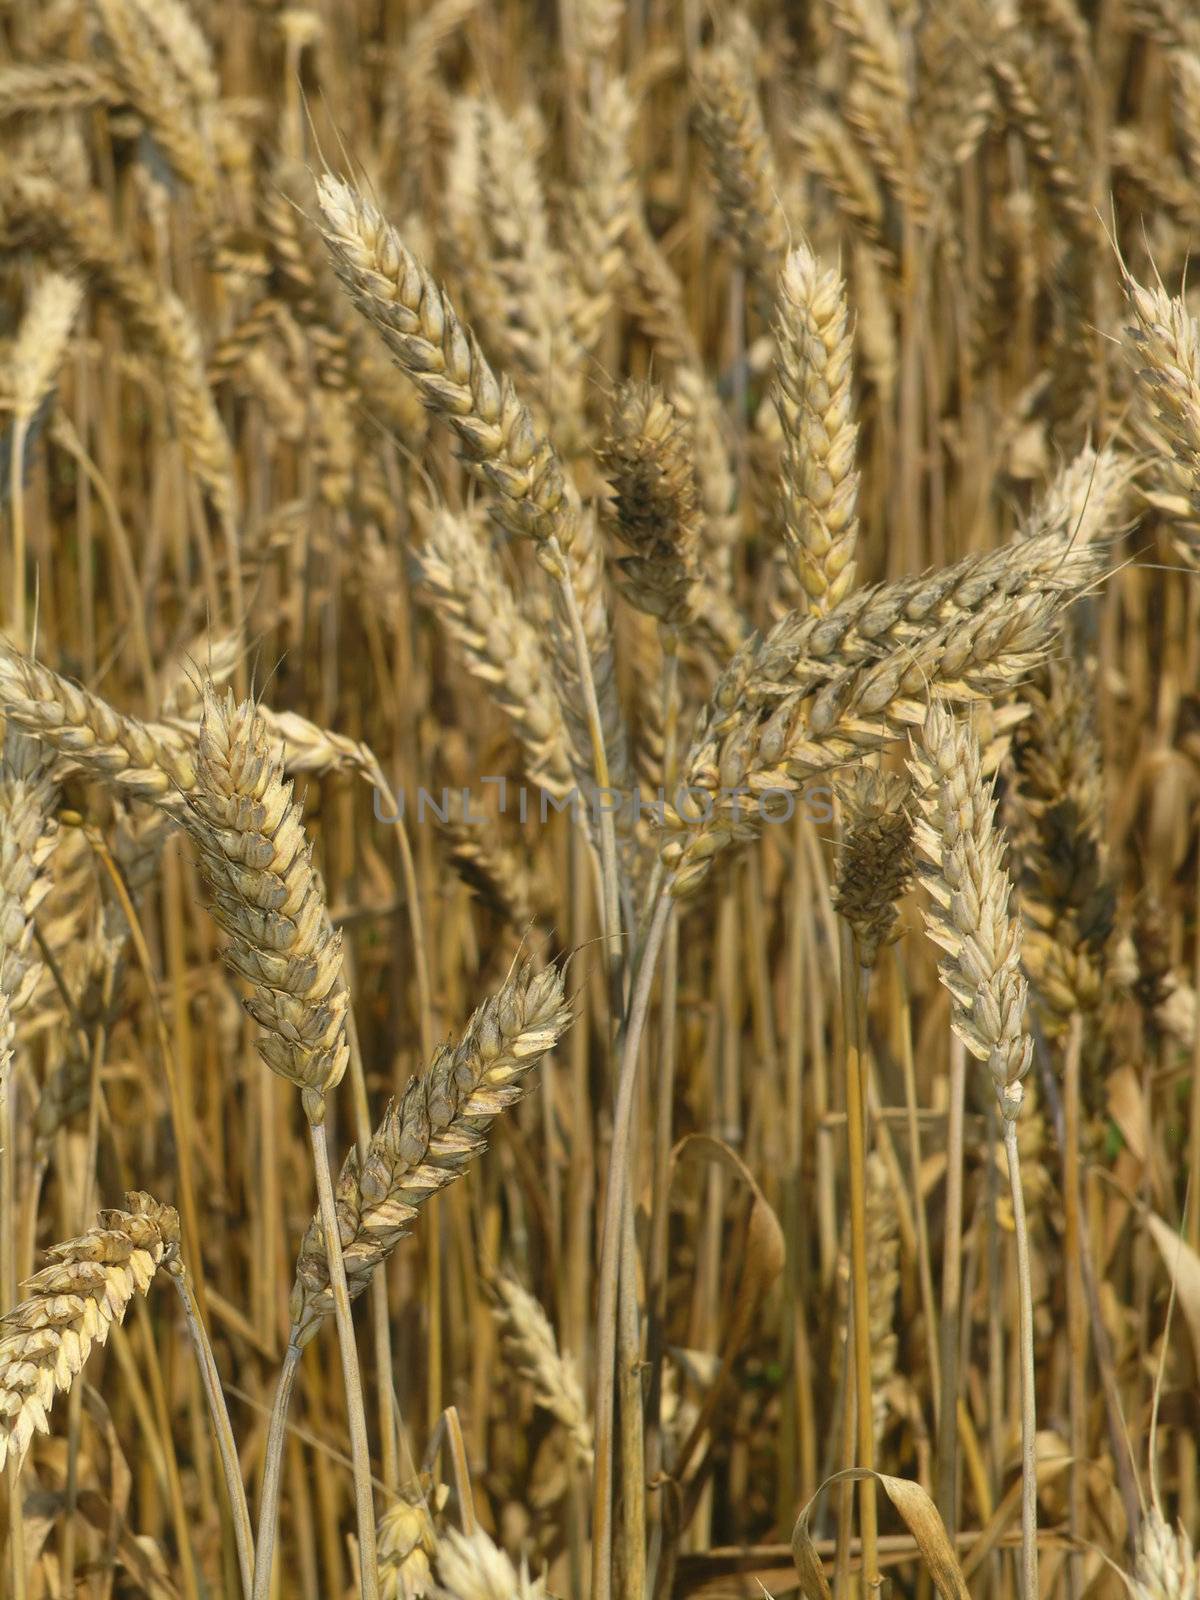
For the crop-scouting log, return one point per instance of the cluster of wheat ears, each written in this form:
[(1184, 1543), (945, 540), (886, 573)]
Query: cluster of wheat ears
[(617, 581)]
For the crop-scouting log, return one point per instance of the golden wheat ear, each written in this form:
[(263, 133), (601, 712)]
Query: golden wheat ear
[(429, 1137), (531, 1347), (70, 1307)]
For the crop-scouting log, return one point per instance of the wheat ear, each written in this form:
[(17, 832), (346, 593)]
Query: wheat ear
[(266, 897), (1166, 338), (1067, 899), (971, 921), (472, 1567), (1165, 1567), (27, 835), (472, 599), (430, 1136), (748, 184), (422, 330), (816, 411), (37, 354), (154, 91), (407, 1543), (70, 1306), (422, 1143), (418, 323), (29, 88), (529, 1343), (647, 461)]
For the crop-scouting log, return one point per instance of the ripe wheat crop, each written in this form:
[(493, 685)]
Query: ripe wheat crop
[(599, 800)]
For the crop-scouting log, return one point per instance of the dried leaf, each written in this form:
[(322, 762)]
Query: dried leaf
[(1184, 1266), (920, 1518)]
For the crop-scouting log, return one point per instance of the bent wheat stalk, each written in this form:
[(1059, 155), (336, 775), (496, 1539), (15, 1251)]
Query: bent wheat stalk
[(423, 1142), (971, 921), (501, 447), (258, 866)]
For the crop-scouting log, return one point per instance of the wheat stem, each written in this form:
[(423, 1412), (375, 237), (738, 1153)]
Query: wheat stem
[(356, 1416), (629, 1046), (855, 980), (268, 1505), (215, 1395), (608, 838), (1029, 1551)]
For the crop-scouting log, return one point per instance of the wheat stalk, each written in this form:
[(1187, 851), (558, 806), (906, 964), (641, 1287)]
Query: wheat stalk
[(971, 921), (268, 901)]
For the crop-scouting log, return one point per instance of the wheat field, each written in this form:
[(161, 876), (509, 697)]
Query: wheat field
[(599, 799)]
